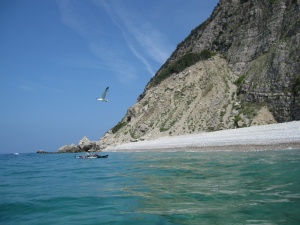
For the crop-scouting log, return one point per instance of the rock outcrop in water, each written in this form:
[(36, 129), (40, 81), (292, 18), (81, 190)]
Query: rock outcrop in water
[(84, 145)]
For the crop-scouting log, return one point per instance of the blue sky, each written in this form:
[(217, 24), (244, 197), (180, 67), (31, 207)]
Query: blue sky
[(57, 57)]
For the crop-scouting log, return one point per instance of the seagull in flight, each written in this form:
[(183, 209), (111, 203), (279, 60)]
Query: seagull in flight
[(103, 99)]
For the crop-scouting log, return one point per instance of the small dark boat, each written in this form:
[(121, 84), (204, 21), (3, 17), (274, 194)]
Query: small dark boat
[(91, 156), (102, 156)]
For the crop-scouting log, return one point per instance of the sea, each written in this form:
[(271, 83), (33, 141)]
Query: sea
[(151, 188)]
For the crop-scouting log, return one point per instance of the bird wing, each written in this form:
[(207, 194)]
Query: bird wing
[(104, 93)]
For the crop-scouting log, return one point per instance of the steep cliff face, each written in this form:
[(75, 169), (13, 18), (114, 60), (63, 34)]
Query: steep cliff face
[(260, 40), (239, 68)]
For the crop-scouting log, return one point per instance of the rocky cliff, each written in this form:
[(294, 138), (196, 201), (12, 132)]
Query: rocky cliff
[(239, 68)]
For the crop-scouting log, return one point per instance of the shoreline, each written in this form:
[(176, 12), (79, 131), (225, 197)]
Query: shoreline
[(281, 136), (229, 148)]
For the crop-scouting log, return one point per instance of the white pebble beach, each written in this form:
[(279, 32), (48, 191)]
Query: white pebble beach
[(278, 136)]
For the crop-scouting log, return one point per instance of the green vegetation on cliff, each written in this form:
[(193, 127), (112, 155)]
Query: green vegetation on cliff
[(116, 128), (179, 65)]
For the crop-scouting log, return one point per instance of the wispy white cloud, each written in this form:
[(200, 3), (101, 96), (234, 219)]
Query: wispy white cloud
[(125, 72), (151, 42), (70, 16), (77, 16), (114, 19), (146, 43), (109, 57), (139, 56), (149, 39)]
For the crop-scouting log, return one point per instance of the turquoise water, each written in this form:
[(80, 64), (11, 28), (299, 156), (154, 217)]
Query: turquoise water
[(151, 188)]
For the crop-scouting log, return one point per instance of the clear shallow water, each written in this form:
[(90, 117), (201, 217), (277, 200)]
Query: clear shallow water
[(151, 188)]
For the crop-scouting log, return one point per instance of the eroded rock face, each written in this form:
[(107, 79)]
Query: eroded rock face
[(200, 98), (261, 43), (85, 144)]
